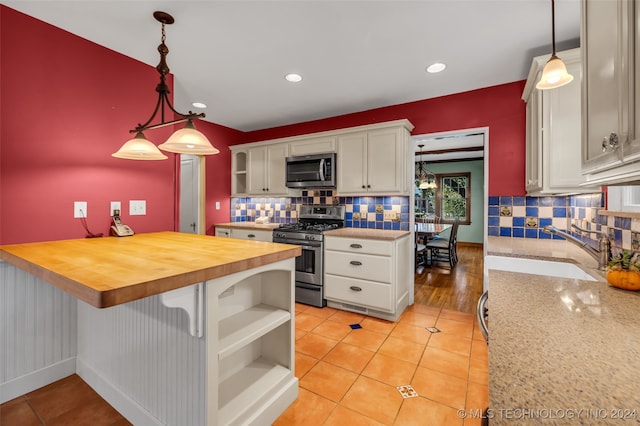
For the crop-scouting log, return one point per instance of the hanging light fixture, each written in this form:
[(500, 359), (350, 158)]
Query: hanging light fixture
[(184, 141), (555, 72), (424, 178)]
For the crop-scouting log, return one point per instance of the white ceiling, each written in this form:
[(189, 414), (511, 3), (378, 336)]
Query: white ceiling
[(354, 55)]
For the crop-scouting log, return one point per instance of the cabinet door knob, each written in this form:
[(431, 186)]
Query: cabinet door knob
[(611, 142), (363, 186), (368, 186), (356, 263), (355, 246), (355, 288)]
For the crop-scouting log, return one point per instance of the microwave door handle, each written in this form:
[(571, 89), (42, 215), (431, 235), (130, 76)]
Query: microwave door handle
[(322, 169)]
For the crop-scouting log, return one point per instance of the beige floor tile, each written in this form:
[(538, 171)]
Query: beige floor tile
[(391, 371), (445, 362), (351, 357), (331, 329), (440, 387), (421, 412), (328, 380), (411, 333), (343, 416), (365, 339), (373, 399), (315, 345), (402, 349), (308, 410)]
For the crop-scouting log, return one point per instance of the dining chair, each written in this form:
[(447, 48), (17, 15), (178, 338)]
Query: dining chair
[(421, 251), (444, 250)]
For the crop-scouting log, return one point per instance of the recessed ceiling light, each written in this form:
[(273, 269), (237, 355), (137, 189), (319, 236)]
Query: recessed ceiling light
[(294, 78), (437, 67), (199, 104)]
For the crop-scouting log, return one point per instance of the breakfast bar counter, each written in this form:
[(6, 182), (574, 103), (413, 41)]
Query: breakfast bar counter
[(169, 328)]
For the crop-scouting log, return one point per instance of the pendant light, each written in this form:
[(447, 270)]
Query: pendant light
[(184, 141), (425, 178), (555, 72)]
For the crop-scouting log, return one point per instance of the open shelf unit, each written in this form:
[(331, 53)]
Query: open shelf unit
[(254, 353)]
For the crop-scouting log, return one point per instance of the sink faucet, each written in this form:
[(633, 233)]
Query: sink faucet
[(602, 254)]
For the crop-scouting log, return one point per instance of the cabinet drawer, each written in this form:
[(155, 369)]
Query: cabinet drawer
[(251, 234), (362, 266), (358, 292), (357, 245)]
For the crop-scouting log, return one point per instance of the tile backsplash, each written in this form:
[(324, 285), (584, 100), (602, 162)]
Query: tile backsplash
[(524, 217), (361, 212)]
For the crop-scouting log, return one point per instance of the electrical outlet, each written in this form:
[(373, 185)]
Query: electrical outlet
[(137, 207), (79, 209), (217, 205), (390, 215), (115, 205)]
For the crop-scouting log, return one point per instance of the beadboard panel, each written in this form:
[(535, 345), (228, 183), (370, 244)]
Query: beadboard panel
[(123, 347), (38, 326)]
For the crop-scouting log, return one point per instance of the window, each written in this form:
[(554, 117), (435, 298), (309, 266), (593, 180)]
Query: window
[(451, 199)]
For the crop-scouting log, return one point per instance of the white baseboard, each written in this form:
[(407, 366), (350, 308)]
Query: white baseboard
[(36, 379), (127, 407)]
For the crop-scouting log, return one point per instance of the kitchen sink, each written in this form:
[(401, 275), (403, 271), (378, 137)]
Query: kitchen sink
[(537, 267)]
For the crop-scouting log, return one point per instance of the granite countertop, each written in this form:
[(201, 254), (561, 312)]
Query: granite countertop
[(109, 271), (249, 225), (367, 233), (561, 351)]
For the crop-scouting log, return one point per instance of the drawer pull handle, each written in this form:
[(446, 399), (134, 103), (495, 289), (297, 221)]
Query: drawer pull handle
[(251, 235), (355, 288), (356, 263), (355, 246)]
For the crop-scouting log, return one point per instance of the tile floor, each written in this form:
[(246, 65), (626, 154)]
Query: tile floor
[(350, 376), (347, 376)]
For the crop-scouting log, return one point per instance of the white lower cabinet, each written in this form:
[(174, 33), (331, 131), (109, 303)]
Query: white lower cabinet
[(245, 233), (367, 275)]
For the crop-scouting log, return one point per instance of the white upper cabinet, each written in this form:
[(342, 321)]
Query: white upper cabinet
[(373, 162), (267, 169), (553, 164), (610, 146), (371, 159)]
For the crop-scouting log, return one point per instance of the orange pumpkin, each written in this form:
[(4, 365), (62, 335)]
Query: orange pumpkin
[(628, 280)]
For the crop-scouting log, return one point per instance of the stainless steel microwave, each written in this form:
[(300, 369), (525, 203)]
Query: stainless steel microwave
[(312, 171)]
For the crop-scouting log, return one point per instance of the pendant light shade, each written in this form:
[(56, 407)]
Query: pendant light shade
[(139, 148), (424, 178), (555, 72), (184, 141), (554, 75), (189, 140)]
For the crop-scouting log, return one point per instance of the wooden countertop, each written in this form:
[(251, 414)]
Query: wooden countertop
[(367, 233), (109, 271), (249, 225)]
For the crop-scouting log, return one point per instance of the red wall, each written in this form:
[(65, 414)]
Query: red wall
[(67, 105), (499, 108)]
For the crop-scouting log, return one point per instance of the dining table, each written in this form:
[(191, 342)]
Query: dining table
[(426, 231)]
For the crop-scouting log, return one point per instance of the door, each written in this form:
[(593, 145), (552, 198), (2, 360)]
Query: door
[(190, 188)]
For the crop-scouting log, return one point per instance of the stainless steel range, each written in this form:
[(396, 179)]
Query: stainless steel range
[(313, 220)]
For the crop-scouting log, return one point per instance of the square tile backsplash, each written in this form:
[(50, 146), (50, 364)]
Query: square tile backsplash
[(525, 217), (361, 212)]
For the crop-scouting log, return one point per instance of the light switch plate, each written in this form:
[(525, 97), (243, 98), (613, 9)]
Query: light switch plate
[(137, 207)]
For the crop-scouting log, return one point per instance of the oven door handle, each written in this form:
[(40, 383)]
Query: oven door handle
[(308, 247)]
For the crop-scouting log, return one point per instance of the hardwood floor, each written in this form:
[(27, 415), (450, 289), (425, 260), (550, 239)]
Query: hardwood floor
[(457, 289)]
